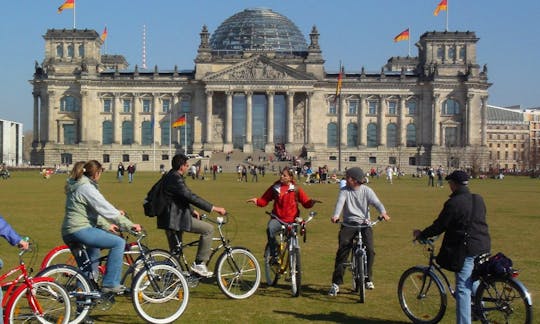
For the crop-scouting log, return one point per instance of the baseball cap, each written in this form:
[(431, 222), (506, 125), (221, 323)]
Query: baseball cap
[(459, 177)]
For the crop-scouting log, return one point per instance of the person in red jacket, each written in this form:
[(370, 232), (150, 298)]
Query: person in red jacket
[(286, 196)]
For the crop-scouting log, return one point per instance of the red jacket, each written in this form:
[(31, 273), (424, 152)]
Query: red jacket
[(285, 200)]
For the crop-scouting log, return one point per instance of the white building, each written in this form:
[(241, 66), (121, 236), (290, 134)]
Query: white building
[(11, 143)]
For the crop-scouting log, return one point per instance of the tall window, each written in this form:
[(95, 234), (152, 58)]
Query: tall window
[(70, 51), (81, 50), (331, 135), (165, 132), (107, 105), (280, 126), (258, 118), (373, 106), (352, 135), (332, 110), (353, 107), (59, 50), (107, 132), (391, 135), (450, 107), (239, 120), (146, 133), (165, 105), (450, 136), (452, 53), (462, 53), (70, 135), (411, 107), (186, 105), (411, 135), (146, 106), (392, 107), (440, 53), (127, 105), (69, 103), (372, 135), (127, 132)]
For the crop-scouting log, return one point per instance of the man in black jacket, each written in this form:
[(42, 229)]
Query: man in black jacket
[(463, 212), (181, 217)]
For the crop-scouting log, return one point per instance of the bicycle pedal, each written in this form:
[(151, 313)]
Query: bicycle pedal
[(106, 302)]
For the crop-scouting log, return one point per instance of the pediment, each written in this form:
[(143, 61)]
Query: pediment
[(258, 68)]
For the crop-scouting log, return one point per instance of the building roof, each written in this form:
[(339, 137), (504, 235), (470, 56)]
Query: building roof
[(258, 29), (499, 115)]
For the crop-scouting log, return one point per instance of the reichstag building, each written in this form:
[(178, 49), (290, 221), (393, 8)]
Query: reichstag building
[(258, 83)]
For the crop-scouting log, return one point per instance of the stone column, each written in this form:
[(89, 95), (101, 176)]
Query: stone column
[(362, 127), (484, 120), (228, 120), (249, 117), (469, 120), (136, 119), (436, 120), (380, 121), (270, 118), (209, 103), (343, 126), (402, 123), (36, 117), (117, 126), (156, 130), (290, 117), (83, 117)]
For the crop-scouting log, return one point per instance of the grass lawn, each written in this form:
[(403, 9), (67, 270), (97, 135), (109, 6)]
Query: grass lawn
[(35, 206)]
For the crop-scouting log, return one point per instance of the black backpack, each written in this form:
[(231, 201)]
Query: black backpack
[(155, 202)]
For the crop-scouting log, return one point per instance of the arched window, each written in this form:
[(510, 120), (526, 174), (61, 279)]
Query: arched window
[(165, 132), (411, 107), (450, 107), (331, 135), (411, 135), (391, 135), (70, 51), (127, 132), (146, 133), (59, 50), (70, 135), (81, 50), (107, 132), (372, 135), (69, 103), (352, 135)]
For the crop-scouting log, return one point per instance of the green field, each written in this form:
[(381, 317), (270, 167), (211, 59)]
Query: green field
[(34, 206)]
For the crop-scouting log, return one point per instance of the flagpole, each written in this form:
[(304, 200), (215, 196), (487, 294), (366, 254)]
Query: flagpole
[(185, 134), (409, 40), (74, 6), (339, 119), (447, 15), (170, 131), (154, 140)]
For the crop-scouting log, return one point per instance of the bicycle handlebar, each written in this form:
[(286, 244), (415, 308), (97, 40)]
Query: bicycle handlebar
[(367, 223), (220, 220), (297, 220)]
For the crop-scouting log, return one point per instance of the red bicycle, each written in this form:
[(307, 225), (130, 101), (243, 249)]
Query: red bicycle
[(28, 299)]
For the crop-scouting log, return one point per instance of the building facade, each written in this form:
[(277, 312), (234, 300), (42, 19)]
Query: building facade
[(11, 143), (258, 84)]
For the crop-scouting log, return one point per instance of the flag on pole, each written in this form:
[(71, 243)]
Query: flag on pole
[(68, 4), (104, 34), (339, 83), (442, 6), (404, 35), (181, 121)]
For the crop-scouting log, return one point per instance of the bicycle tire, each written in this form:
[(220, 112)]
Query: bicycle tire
[(160, 295), (503, 300), (50, 297), (360, 276), (271, 270), (59, 255), (74, 281), (238, 273), (157, 255), (295, 272), (422, 296)]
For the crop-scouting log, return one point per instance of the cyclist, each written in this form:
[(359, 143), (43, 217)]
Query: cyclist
[(462, 211), (354, 201), (180, 216), (286, 196), (84, 203), (10, 235)]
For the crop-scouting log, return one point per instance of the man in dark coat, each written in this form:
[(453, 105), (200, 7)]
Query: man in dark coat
[(181, 217), (463, 212)]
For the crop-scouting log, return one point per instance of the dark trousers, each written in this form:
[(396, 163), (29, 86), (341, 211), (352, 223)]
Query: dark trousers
[(345, 237)]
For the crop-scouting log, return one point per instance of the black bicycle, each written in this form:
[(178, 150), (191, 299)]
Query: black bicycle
[(498, 299)]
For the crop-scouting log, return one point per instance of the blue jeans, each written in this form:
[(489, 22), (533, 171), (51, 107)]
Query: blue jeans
[(130, 177), (96, 239), (464, 290)]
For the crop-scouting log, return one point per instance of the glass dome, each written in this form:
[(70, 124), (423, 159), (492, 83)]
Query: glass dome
[(258, 29)]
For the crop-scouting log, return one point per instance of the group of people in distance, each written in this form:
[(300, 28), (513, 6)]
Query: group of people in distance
[(91, 220)]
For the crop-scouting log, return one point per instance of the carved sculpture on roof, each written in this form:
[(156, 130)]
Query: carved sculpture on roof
[(256, 70)]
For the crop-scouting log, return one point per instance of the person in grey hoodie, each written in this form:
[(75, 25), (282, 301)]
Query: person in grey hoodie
[(354, 201), (84, 203)]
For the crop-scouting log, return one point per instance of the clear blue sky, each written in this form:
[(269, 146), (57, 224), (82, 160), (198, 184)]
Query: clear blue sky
[(357, 32)]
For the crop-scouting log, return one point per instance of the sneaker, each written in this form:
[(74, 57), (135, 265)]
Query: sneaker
[(370, 285), (201, 270), (333, 290), (115, 290)]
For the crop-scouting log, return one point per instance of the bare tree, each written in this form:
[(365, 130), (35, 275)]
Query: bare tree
[(28, 138)]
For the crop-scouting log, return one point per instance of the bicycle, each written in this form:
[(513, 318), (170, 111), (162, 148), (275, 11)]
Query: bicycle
[(28, 299), (159, 291), (358, 264), (423, 298), (237, 270), (287, 262)]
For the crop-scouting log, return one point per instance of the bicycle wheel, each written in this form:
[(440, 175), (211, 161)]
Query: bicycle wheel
[(271, 271), (45, 302), (503, 300), (238, 273), (59, 255), (155, 256), (296, 271), (76, 284), (421, 295), (360, 275), (160, 294)]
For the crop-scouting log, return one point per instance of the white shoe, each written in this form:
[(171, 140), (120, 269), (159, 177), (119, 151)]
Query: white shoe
[(333, 290), (370, 285), (201, 270)]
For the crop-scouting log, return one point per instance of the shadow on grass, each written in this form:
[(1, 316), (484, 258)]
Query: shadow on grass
[(337, 317)]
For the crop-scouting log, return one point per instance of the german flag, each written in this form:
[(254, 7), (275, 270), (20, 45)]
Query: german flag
[(104, 34), (68, 4), (404, 35), (443, 6), (181, 121), (339, 83)]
